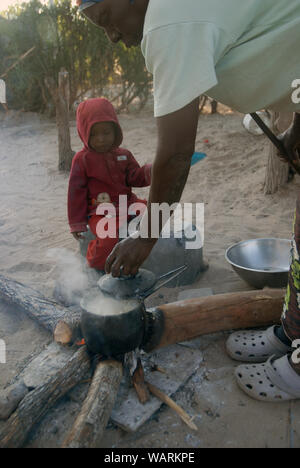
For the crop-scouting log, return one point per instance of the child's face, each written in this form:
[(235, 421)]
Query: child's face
[(102, 137)]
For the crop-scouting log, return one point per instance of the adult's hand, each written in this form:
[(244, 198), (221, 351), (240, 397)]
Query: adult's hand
[(128, 255)]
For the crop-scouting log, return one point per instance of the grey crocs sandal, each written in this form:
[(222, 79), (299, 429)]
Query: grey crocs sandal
[(255, 345), (274, 380)]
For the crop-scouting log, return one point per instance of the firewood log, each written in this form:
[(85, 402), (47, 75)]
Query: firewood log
[(55, 381), (11, 400), (138, 380), (90, 424), (188, 319), (62, 322)]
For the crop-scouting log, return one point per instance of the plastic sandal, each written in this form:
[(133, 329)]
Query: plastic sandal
[(255, 346), (273, 381)]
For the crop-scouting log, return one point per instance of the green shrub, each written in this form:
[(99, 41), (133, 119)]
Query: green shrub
[(65, 39)]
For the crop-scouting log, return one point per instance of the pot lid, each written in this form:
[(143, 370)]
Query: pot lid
[(127, 286)]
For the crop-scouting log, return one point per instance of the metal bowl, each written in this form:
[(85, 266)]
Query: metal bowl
[(261, 262)]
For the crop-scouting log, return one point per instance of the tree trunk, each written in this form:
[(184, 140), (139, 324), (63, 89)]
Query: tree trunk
[(214, 106), (277, 171), (61, 99), (62, 120)]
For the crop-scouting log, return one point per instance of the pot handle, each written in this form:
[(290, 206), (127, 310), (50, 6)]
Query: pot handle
[(156, 287)]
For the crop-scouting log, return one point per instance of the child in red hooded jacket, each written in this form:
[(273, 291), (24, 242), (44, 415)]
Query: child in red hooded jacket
[(100, 173)]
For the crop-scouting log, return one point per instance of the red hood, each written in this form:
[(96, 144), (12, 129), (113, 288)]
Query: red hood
[(93, 111)]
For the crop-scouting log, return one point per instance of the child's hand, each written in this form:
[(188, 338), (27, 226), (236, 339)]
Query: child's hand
[(77, 235)]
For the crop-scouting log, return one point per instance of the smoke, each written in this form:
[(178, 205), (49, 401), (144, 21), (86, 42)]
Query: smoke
[(74, 280), (71, 276)]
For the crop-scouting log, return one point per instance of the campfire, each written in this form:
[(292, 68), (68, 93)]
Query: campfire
[(67, 361)]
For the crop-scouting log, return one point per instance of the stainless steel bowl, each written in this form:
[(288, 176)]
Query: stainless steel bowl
[(261, 262)]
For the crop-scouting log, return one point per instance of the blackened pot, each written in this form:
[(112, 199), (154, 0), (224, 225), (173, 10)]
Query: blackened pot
[(113, 335)]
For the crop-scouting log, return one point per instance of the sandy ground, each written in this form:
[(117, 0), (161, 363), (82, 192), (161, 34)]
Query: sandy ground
[(229, 181)]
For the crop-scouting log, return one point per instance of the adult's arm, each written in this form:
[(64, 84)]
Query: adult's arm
[(176, 143)]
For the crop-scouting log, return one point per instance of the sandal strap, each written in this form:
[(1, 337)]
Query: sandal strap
[(281, 374)]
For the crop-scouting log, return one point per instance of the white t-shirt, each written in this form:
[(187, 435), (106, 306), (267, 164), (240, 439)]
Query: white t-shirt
[(2, 92), (243, 53)]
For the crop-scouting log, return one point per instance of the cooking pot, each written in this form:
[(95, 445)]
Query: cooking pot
[(124, 324)]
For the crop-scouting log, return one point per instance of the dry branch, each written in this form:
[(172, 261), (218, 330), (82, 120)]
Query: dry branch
[(171, 403), (22, 57)]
